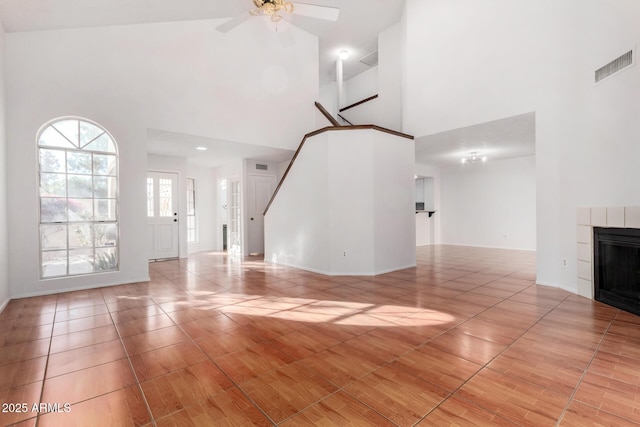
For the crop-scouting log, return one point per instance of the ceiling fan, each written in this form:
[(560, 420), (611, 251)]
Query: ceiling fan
[(275, 8)]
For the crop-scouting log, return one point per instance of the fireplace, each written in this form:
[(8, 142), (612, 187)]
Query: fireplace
[(616, 272)]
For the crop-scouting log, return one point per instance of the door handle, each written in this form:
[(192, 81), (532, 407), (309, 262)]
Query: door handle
[(175, 220)]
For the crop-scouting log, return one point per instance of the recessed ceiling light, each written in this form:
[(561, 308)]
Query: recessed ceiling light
[(343, 54), (202, 148)]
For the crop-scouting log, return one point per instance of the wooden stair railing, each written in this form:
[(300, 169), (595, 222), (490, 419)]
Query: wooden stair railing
[(342, 118), (355, 104), (328, 116), (336, 127)]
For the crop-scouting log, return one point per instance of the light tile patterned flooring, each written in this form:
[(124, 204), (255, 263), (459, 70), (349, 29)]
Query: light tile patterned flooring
[(466, 338)]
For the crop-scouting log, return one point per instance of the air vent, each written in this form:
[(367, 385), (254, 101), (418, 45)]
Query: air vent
[(262, 167), (614, 66), (371, 60)]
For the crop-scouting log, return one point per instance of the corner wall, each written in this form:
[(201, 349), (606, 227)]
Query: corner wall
[(4, 245)]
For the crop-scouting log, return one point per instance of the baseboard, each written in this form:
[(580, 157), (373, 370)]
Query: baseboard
[(342, 273), (78, 288), (4, 305), (481, 246), (391, 270), (297, 267), (556, 285)]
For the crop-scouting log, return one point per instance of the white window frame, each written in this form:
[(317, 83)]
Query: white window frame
[(91, 243)]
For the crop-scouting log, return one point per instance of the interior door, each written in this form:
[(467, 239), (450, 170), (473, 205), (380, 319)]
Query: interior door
[(234, 244), (261, 188), (162, 215)]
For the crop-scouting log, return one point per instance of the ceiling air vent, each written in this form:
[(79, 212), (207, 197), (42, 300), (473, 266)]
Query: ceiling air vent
[(261, 167), (614, 66), (371, 59)]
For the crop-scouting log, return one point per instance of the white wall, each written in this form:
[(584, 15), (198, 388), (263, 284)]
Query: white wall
[(328, 97), (390, 77), (297, 224), (394, 203), (490, 205), (4, 248), (175, 76), (361, 86), (471, 62), (346, 206)]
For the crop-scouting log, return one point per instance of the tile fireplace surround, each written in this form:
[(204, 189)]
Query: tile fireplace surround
[(587, 218)]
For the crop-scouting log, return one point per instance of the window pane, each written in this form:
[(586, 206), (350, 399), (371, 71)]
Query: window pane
[(80, 186), (53, 236), (54, 263), (104, 164), (104, 186), (106, 259), (150, 212), (166, 205), (104, 210), (53, 184), (68, 128), (105, 235), (52, 138), (79, 162), (102, 143), (88, 132), (53, 210), (80, 209), (52, 161), (80, 261), (80, 236)]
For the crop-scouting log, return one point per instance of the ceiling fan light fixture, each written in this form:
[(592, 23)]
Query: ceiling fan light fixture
[(473, 157), (272, 8)]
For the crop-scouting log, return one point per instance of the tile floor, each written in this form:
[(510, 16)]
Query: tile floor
[(466, 338)]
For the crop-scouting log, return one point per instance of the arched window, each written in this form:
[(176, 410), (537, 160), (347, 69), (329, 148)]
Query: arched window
[(78, 175)]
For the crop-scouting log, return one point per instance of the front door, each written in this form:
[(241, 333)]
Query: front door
[(162, 215), (261, 188)]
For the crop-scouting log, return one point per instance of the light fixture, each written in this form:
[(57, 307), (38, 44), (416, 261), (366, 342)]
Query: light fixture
[(201, 148), (271, 8), (473, 157), (343, 54)]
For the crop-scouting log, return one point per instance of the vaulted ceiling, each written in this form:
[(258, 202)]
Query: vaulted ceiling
[(357, 28)]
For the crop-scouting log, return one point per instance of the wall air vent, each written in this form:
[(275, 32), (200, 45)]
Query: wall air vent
[(262, 167), (614, 66), (371, 59)]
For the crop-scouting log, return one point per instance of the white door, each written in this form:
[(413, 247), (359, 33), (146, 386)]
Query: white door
[(260, 189), (234, 244), (162, 215)]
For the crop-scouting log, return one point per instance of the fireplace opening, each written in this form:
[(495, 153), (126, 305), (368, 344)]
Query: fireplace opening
[(616, 270)]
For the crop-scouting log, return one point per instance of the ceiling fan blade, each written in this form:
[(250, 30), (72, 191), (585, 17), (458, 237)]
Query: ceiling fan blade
[(315, 11), (233, 22)]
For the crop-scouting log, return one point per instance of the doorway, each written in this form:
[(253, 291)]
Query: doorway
[(260, 190), (162, 215)]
